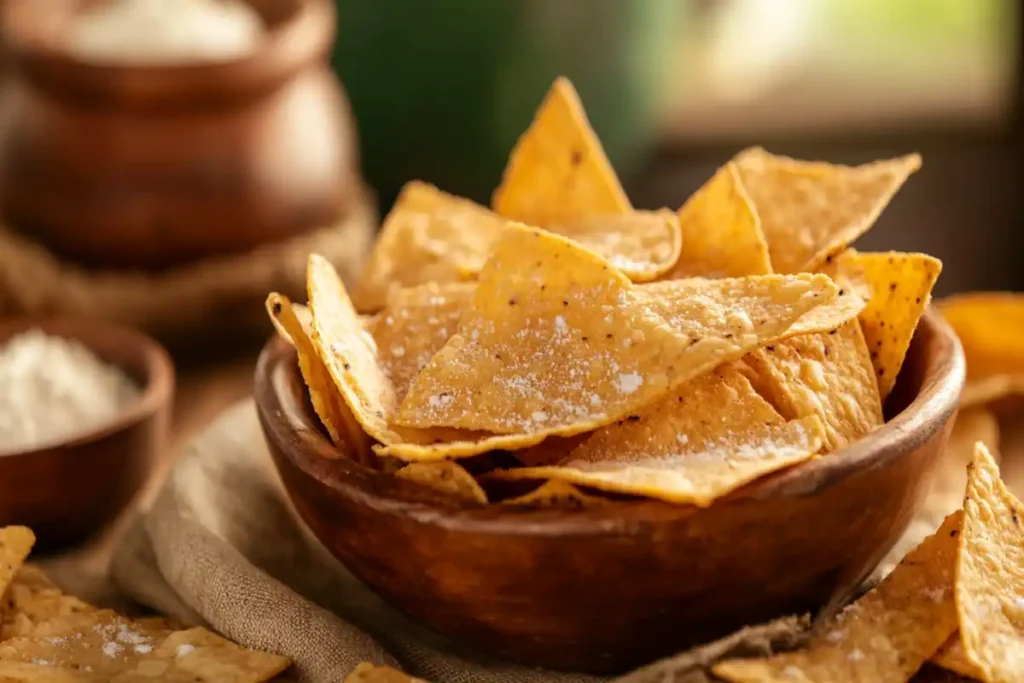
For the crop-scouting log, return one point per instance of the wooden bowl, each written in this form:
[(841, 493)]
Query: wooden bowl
[(614, 586), (66, 491), (131, 166)]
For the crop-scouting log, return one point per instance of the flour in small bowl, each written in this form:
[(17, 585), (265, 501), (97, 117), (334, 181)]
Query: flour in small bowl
[(53, 389)]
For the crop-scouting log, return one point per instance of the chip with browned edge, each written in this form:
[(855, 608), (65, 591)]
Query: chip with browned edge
[(558, 342), (990, 574), (15, 544), (558, 171), (721, 231), (811, 210), (447, 477), (885, 636), (699, 443), (828, 374)]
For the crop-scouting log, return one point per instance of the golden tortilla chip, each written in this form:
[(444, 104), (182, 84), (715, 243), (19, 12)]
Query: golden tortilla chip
[(885, 636), (811, 210), (990, 574), (951, 656), (556, 494), (558, 342), (990, 326), (15, 544), (828, 374), (902, 286), (370, 673), (642, 244), (109, 647), (335, 416), (351, 356), (721, 231), (428, 236), (699, 443), (446, 477), (35, 601), (978, 392), (558, 171)]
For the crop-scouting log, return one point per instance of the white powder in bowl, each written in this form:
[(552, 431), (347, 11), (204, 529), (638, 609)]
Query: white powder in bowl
[(52, 389), (165, 31)]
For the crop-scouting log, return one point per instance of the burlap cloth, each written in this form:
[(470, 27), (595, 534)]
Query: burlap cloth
[(174, 305), (222, 547)]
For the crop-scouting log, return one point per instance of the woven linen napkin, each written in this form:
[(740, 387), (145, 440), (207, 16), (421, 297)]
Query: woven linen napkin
[(221, 546)]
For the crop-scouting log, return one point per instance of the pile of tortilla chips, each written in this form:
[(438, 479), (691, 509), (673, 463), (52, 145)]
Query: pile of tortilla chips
[(561, 348), (47, 636)]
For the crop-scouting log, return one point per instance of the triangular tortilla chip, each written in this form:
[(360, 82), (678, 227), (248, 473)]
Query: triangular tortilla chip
[(341, 425), (990, 574), (371, 673), (558, 342), (15, 544), (885, 636), (558, 171), (641, 244), (34, 602), (699, 443), (952, 657), (447, 477), (811, 210), (990, 326), (721, 231), (557, 494), (901, 285), (828, 374)]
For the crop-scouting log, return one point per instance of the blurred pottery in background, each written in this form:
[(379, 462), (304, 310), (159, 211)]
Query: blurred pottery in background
[(132, 166), (443, 89)]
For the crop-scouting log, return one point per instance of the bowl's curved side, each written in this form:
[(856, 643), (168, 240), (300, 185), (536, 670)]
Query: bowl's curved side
[(614, 586)]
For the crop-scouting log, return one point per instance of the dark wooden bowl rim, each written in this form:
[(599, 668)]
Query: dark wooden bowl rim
[(286, 420), (156, 387)]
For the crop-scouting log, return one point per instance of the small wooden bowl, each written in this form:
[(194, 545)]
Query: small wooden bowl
[(66, 491), (610, 587)]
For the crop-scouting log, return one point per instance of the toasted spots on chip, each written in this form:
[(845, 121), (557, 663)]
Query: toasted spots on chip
[(811, 210), (990, 326), (557, 494), (334, 414), (370, 673), (885, 636), (109, 647), (446, 477), (902, 285), (15, 544), (558, 342), (990, 574), (428, 236), (558, 171), (642, 244), (951, 656), (721, 231), (699, 443), (828, 374)]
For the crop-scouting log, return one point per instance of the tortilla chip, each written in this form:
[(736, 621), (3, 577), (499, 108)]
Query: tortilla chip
[(446, 477), (428, 236), (811, 210), (885, 636), (990, 326), (558, 171), (854, 294), (951, 656), (334, 414), (642, 244), (902, 286), (721, 231), (828, 374), (556, 494), (699, 443), (111, 647), (990, 574), (558, 342), (35, 601), (369, 673), (979, 392), (15, 544)]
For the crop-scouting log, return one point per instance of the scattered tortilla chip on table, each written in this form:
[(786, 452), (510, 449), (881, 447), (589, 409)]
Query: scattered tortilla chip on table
[(558, 171), (370, 673), (721, 231), (902, 286), (36, 602), (811, 210), (990, 326), (558, 342), (990, 574), (699, 443), (828, 374), (556, 493), (15, 545), (446, 477), (885, 636), (334, 414)]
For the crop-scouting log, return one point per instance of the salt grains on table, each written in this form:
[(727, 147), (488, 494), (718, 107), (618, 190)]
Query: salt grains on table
[(53, 389)]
